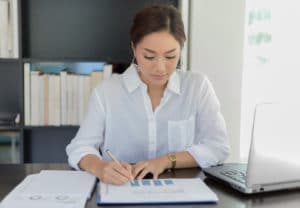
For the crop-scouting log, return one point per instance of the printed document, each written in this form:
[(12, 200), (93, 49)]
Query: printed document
[(191, 190)]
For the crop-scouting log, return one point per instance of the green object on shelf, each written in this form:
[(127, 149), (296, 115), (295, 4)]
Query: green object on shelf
[(7, 139)]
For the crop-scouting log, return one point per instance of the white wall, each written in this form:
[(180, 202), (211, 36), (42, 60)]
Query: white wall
[(216, 49), (184, 9)]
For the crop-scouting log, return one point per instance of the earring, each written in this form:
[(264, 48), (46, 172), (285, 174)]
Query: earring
[(179, 65)]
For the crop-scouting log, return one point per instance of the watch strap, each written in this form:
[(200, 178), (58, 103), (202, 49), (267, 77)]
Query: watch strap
[(172, 158)]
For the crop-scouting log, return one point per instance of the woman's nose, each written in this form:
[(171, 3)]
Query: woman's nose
[(160, 65)]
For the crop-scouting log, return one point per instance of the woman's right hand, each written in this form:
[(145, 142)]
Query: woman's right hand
[(112, 173), (107, 171)]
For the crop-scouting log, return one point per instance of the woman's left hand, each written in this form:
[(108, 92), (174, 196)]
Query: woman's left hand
[(155, 166)]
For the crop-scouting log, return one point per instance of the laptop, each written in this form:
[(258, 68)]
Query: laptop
[(274, 156)]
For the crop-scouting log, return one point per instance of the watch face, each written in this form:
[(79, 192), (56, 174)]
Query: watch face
[(172, 157)]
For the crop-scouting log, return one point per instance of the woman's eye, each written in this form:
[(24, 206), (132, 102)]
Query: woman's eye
[(170, 57), (149, 57)]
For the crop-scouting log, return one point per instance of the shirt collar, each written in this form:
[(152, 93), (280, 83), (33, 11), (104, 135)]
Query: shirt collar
[(131, 78), (174, 83), (133, 81)]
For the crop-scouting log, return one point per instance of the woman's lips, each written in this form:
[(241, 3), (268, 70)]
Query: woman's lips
[(158, 77)]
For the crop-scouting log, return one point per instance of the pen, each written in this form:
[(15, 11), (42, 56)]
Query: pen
[(115, 160)]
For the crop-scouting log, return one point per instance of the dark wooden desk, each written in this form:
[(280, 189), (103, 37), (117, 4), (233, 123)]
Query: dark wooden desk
[(11, 175)]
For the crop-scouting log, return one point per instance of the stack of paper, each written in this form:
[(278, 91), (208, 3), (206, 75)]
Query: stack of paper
[(60, 189), (160, 191)]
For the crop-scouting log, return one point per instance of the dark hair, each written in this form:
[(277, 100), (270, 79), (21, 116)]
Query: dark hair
[(156, 19)]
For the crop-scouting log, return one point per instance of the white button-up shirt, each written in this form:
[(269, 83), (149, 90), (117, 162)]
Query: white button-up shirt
[(120, 118)]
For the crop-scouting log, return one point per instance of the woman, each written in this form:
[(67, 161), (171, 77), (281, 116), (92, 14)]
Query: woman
[(152, 115)]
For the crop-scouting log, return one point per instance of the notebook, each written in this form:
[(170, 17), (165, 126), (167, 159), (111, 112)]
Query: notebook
[(159, 191), (273, 161)]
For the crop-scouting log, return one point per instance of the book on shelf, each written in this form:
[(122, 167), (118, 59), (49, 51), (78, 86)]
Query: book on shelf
[(27, 94), (63, 99), (107, 71), (4, 29), (9, 47), (58, 98)]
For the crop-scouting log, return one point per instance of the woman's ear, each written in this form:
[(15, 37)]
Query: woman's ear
[(132, 48)]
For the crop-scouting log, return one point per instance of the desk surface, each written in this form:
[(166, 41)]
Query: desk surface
[(11, 175)]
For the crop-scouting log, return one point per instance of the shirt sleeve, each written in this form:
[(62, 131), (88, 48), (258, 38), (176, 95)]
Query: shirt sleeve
[(210, 145), (90, 134)]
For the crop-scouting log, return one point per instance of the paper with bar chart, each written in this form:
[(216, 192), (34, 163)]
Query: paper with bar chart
[(159, 191)]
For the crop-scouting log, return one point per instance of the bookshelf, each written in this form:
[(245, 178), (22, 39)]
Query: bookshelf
[(63, 31)]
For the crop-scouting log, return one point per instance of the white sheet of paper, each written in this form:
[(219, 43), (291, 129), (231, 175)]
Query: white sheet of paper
[(52, 188), (79, 183), (17, 198), (157, 191)]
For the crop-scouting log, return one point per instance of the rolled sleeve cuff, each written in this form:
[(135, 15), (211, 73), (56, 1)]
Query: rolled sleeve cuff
[(203, 155), (76, 156)]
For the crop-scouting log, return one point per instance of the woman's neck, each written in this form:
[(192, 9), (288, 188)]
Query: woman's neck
[(156, 89), (155, 94)]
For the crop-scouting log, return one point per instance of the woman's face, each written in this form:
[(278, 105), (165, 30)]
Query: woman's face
[(157, 55)]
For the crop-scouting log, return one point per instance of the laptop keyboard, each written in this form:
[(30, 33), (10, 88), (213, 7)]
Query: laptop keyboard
[(236, 175)]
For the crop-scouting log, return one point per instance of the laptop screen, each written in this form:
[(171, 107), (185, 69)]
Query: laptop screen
[(274, 154)]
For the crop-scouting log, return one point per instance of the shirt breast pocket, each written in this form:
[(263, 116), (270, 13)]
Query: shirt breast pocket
[(181, 134)]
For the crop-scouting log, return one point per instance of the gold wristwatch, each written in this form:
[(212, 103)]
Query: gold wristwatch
[(172, 158)]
